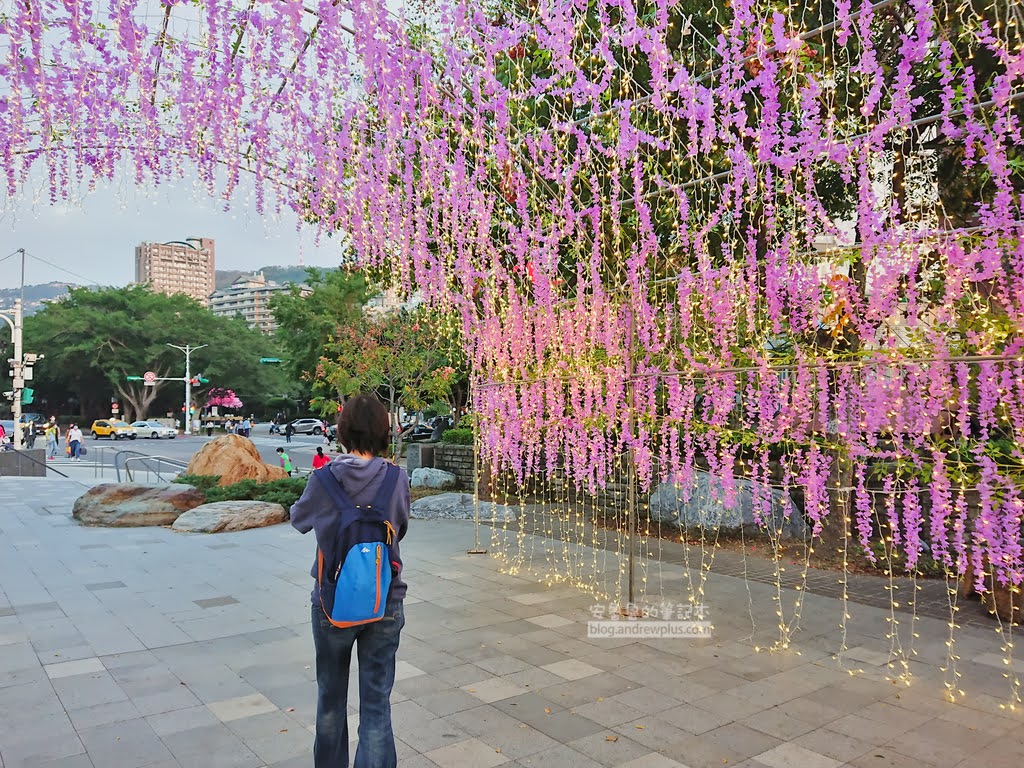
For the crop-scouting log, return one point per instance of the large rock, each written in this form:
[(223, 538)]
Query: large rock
[(458, 506), (753, 505), (233, 458), (438, 479), (221, 516), (126, 505)]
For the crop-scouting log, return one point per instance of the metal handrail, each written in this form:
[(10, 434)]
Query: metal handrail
[(160, 461)]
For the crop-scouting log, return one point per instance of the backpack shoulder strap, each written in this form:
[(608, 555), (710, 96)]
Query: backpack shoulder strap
[(333, 486), (386, 490)]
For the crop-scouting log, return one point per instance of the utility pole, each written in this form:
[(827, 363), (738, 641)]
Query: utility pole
[(17, 370), (188, 350)]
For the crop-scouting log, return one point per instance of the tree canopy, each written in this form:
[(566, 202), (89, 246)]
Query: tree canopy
[(94, 339)]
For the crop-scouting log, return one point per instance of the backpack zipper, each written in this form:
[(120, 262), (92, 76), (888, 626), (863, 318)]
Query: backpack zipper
[(376, 604)]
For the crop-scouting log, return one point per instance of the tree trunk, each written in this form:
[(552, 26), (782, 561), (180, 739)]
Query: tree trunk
[(135, 405)]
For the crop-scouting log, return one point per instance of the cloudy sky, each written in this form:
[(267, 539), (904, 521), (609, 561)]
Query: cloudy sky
[(92, 240)]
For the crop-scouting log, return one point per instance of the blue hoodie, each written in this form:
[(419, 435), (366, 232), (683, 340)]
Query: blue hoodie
[(361, 479)]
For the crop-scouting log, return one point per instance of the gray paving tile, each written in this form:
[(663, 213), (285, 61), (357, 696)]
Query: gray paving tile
[(103, 585), (210, 745), (130, 744), (216, 602), (609, 749)]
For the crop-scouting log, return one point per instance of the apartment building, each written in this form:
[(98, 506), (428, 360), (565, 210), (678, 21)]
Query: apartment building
[(249, 296), (180, 266)]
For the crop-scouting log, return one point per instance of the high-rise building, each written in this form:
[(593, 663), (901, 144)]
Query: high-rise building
[(249, 296), (178, 267)]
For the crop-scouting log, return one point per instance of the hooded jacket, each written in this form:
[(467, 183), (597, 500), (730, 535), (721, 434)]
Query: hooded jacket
[(361, 479)]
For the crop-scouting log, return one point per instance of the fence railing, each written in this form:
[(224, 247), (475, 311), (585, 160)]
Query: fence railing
[(163, 468)]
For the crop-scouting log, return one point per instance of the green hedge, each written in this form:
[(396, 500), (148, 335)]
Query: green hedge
[(284, 492), (459, 436)]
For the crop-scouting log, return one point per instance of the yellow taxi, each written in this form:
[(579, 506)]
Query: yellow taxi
[(113, 429)]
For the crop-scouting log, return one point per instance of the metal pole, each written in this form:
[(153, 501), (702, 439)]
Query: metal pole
[(477, 549), (188, 350), (188, 390), (17, 439)]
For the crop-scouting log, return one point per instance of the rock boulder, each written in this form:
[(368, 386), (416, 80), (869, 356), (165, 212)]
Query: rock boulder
[(458, 506), (127, 505), (233, 458), (438, 479), (753, 505), (222, 516)]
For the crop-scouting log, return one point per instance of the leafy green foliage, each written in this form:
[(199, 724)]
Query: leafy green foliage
[(202, 482), (285, 491), (94, 339), (459, 436), (309, 317)]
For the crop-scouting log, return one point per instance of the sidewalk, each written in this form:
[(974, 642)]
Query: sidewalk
[(143, 647)]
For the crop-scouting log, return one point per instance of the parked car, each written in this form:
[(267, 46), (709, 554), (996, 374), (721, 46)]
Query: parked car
[(154, 430), (308, 427), (113, 429), (416, 434)]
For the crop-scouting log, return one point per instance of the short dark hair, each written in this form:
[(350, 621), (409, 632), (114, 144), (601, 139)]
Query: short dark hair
[(364, 425)]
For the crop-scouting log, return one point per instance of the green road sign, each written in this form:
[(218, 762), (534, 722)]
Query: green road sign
[(27, 395), (270, 360), (134, 378)]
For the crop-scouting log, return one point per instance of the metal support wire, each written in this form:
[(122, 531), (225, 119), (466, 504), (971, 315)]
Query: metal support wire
[(477, 549)]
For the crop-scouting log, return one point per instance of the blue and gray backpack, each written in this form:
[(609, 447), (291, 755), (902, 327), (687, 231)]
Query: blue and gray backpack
[(354, 569)]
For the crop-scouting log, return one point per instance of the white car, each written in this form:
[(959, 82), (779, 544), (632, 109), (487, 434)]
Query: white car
[(154, 430)]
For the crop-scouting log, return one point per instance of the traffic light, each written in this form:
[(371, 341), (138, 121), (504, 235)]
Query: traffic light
[(27, 395)]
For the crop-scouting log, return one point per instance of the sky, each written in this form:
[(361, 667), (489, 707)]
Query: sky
[(92, 239)]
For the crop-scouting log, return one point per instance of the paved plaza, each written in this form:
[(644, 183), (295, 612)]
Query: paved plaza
[(145, 647)]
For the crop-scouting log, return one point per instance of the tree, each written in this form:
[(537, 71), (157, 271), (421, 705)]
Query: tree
[(411, 358), (308, 316), (218, 397), (94, 340)]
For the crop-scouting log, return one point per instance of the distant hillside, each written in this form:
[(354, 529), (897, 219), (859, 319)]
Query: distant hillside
[(226, 277), (35, 295)]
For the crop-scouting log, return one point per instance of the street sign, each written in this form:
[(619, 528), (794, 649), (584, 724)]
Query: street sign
[(149, 378)]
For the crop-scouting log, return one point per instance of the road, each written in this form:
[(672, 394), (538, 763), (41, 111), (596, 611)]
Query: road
[(101, 454)]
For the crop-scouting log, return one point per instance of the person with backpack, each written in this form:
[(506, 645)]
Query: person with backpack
[(286, 461), (358, 508), (289, 430)]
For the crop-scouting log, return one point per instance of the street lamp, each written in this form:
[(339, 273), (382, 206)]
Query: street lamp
[(188, 350)]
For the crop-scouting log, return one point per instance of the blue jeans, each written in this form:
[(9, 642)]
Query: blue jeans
[(76, 449), (376, 646)]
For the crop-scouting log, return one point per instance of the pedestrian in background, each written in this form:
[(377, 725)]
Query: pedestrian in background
[(246, 427), (52, 434), (320, 460), (286, 461), (75, 442), (288, 432)]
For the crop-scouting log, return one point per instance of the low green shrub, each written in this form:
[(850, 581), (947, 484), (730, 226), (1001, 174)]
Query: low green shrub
[(285, 491), (202, 482), (459, 436)]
